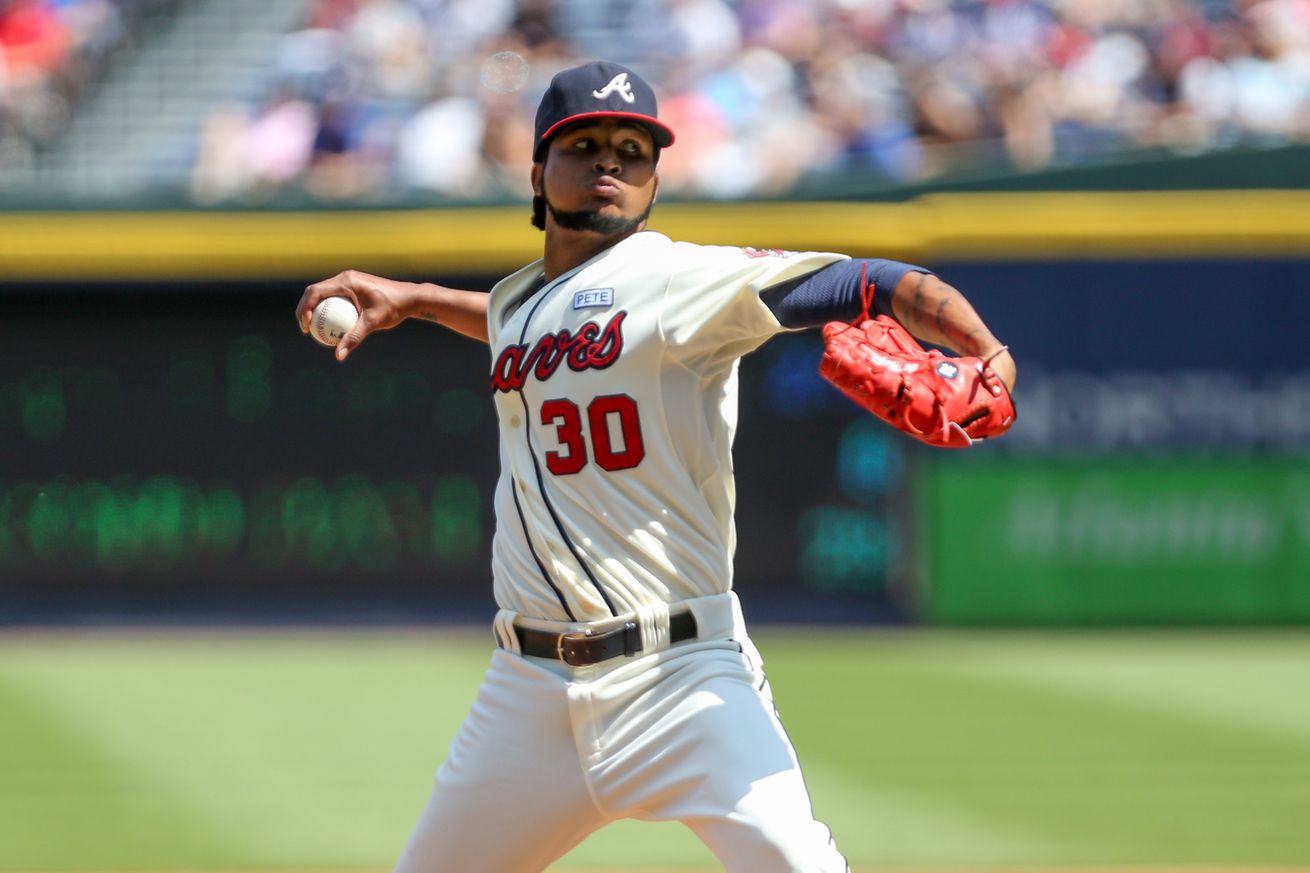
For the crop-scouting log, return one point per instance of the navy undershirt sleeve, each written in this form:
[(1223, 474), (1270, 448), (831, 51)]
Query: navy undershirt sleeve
[(834, 292)]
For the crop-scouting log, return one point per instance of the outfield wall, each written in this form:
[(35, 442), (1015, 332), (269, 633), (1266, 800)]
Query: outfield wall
[(1160, 468), (173, 447)]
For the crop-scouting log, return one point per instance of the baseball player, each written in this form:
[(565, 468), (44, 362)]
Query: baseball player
[(625, 684)]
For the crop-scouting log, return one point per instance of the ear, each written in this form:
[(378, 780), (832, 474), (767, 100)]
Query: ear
[(537, 171)]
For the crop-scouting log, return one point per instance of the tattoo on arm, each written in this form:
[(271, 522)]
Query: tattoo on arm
[(917, 306), (941, 312), (938, 313)]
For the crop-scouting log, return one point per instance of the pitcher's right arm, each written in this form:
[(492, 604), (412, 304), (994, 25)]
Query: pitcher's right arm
[(384, 303)]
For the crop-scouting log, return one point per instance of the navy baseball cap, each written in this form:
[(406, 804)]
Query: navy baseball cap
[(597, 90)]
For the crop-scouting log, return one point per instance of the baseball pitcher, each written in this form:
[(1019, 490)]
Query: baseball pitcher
[(624, 683)]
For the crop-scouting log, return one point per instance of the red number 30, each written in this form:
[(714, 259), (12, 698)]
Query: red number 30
[(572, 454)]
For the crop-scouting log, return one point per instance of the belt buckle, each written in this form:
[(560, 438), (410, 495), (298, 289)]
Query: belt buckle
[(565, 652), (569, 649)]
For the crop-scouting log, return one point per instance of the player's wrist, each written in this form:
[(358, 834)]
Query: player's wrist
[(424, 300), (1001, 362)]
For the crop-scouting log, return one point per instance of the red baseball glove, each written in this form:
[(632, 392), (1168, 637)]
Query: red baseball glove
[(942, 401)]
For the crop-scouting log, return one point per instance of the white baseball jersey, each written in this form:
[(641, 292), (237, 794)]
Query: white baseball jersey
[(616, 390)]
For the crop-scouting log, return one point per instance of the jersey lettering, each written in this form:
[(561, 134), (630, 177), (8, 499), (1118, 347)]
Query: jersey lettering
[(610, 454), (594, 297), (563, 414), (591, 348), (623, 410)]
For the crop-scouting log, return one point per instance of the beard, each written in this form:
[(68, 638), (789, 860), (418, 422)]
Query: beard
[(589, 219)]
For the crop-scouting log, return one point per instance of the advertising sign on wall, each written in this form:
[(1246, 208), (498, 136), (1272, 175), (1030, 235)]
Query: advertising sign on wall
[(1125, 541)]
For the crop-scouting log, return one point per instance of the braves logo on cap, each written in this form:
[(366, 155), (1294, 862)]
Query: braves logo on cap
[(573, 95), (620, 85)]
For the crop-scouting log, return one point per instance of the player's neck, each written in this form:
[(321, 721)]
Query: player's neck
[(566, 249)]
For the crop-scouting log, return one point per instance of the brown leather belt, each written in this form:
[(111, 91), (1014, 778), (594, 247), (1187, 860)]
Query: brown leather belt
[(583, 648)]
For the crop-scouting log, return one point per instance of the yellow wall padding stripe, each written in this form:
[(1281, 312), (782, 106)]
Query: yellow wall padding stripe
[(154, 246)]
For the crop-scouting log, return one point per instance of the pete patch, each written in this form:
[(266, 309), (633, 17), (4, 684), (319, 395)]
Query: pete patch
[(593, 298)]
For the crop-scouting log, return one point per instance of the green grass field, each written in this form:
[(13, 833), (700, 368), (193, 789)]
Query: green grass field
[(315, 749)]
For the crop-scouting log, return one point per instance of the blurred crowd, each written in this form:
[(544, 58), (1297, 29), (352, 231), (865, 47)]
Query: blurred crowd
[(383, 98), (50, 54)]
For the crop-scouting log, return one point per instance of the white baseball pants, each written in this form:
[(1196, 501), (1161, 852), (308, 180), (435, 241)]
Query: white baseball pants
[(550, 753)]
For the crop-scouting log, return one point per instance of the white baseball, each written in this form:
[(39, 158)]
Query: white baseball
[(332, 319)]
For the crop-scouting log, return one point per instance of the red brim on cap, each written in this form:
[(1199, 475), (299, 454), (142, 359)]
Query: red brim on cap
[(660, 133)]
